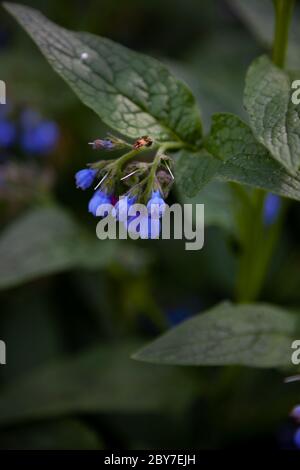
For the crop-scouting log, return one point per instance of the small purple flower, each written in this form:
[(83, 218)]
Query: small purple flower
[(156, 205), (120, 211), (99, 198), (7, 133), (41, 138), (84, 178), (100, 144), (271, 208)]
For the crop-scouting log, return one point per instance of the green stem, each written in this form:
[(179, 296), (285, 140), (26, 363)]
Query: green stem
[(257, 241), (283, 14), (127, 156), (251, 237), (152, 173)]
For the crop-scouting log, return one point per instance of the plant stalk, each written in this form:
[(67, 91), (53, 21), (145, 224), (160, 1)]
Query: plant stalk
[(283, 15)]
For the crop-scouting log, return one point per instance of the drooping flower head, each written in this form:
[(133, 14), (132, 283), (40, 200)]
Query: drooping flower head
[(99, 198), (84, 178), (156, 205), (120, 211)]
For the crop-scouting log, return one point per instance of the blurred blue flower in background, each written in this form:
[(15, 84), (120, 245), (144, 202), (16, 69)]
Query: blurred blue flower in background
[(297, 438), (37, 136), (177, 315), (8, 130), (271, 208), (7, 133), (295, 413), (184, 310)]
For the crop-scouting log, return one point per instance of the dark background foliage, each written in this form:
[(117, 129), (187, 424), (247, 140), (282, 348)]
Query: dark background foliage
[(70, 329)]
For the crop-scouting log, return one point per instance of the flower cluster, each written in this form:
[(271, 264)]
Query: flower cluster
[(125, 184)]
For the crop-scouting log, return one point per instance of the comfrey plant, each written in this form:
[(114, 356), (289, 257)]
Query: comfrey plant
[(158, 117)]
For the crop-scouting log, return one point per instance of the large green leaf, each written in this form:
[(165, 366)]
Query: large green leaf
[(247, 161), (101, 380), (45, 241), (132, 93), (274, 119), (193, 170), (252, 335)]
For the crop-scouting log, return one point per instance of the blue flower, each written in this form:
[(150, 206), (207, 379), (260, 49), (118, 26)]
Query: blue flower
[(84, 178), (297, 438), (156, 205), (41, 138), (99, 198), (120, 211), (271, 208), (295, 413), (7, 133)]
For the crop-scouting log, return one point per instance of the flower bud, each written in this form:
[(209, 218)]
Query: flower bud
[(100, 144)]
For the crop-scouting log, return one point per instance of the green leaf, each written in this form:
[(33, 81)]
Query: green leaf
[(132, 93), (193, 170), (46, 241), (219, 202), (100, 380), (274, 119), (255, 335), (247, 161)]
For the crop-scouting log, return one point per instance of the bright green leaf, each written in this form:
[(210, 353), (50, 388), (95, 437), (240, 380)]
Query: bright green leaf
[(132, 93), (274, 119), (255, 335), (248, 162)]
